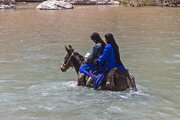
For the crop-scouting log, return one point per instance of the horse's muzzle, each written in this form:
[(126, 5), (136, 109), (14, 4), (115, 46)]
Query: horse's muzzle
[(63, 69)]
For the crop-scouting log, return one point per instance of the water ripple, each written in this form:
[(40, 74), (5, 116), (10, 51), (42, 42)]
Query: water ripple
[(44, 107)]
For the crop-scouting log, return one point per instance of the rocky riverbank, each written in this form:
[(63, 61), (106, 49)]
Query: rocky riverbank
[(6, 4), (81, 2), (133, 3), (140, 3)]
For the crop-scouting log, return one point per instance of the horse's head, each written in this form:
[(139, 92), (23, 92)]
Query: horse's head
[(72, 59), (68, 59)]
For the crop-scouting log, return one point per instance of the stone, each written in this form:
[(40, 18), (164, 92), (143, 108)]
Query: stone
[(116, 3), (6, 4), (54, 5)]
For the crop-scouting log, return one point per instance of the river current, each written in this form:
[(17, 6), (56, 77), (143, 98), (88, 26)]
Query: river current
[(32, 87)]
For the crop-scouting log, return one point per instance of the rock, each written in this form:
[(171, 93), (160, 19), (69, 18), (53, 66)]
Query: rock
[(6, 4), (93, 2), (54, 5), (116, 3)]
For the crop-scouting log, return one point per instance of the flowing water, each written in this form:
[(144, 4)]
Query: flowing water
[(32, 87)]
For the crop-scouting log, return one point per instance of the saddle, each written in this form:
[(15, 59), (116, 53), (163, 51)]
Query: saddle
[(119, 80)]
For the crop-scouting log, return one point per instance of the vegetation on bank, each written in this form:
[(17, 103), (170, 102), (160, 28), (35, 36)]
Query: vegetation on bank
[(139, 3)]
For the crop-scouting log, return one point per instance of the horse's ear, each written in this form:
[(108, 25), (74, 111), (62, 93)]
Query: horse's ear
[(67, 49), (70, 48)]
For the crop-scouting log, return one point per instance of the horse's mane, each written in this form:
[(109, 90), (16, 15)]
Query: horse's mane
[(78, 60)]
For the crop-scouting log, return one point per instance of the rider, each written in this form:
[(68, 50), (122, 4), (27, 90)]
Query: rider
[(96, 52), (111, 54)]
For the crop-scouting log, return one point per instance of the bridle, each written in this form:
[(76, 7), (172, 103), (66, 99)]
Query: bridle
[(67, 64)]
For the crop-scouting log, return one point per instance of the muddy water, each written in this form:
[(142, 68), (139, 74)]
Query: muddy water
[(32, 87)]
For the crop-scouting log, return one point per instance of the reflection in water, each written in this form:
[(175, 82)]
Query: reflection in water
[(32, 47)]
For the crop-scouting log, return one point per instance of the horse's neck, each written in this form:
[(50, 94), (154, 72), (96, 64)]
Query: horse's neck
[(77, 69), (77, 66), (77, 63)]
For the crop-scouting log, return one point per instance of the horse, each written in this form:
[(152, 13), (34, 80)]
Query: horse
[(119, 79)]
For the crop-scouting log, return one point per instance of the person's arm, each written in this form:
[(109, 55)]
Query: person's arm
[(104, 56), (93, 55)]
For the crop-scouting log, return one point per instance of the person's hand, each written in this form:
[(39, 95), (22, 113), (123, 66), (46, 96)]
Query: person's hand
[(107, 83), (85, 60), (95, 60)]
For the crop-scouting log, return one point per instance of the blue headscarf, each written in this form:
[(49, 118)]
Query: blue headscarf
[(110, 40)]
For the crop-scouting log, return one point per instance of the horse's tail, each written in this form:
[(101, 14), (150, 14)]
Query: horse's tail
[(132, 81)]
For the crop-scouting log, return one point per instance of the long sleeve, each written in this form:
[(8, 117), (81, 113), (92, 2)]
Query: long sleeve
[(104, 56), (93, 55)]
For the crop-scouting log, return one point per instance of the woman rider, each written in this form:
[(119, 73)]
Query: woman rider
[(110, 57), (96, 52), (111, 54)]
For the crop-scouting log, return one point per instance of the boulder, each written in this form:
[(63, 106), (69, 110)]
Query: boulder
[(115, 3), (6, 4), (54, 5)]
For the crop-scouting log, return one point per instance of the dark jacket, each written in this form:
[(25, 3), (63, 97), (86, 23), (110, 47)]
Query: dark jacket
[(96, 52)]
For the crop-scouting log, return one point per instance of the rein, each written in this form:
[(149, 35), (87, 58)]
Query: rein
[(66, 65)]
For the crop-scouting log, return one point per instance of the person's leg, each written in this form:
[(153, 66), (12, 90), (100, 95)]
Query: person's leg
[(85, 69)]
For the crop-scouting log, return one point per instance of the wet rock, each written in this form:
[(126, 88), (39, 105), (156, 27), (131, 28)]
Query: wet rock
[(54, 5), (6, 4), (89, 2)]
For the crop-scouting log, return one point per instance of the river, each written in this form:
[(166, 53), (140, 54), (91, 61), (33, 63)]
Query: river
[(32, 87)]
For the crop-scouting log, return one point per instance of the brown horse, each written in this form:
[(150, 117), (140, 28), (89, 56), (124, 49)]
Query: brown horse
[(119, 79)]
